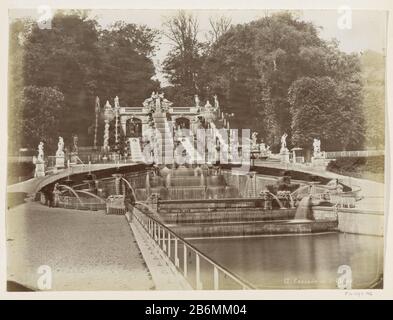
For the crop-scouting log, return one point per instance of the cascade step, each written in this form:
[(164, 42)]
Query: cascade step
[(254, 228), (136, 151), (223, 216)]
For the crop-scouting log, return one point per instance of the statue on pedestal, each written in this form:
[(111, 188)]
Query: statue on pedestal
[(254, 141), (60, 153), (197, 101), (284, 142), (117, 104), (317, 147), (216, 104), (158, 102), (40, 162), (149, 103), (75, 144), (284, 152), (60, 148), (40, 157), (165, 103)]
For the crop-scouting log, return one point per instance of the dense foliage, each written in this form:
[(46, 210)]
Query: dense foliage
[(72, 62), (277, 75), (372, 168)]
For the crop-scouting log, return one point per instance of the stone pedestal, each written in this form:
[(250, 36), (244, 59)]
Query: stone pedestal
[(60, 162), (39, 169), (319, 160), (74, 157), (284, 155)]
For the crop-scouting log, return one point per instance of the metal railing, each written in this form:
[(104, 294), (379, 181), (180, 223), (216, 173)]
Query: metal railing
[(115, 205), (200, 271)]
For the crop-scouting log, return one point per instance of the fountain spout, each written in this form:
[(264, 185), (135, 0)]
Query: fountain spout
[(147, 184), (168, 180), (278, 200), (202, 180), (303, 211)]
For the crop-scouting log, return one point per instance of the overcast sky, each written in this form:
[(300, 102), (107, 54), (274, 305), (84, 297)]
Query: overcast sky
[(368, 27)]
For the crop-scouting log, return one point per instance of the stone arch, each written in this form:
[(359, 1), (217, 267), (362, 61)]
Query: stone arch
[(183, 122), (134, 127)]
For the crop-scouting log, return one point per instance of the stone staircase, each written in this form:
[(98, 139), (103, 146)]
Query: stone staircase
[(164, 147), (136, 151)]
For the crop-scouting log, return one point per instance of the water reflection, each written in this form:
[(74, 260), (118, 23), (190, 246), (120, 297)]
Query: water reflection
[(299, 262)]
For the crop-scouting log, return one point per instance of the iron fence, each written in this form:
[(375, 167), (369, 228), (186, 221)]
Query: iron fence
[(200, 271)]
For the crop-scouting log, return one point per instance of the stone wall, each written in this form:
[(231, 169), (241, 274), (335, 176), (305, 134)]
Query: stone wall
[(355, 221)]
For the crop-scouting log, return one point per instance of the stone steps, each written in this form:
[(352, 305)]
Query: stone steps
[(227, 216), (254, 228)]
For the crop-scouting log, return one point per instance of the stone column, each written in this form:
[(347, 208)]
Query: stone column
[(123, 123), (118, 187)]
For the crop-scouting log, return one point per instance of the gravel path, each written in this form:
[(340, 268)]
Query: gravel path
[(85, 250)]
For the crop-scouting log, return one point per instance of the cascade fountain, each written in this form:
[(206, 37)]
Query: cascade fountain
[(303, 211)]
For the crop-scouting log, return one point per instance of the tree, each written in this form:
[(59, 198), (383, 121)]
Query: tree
[(373, 74), (218, 26), (183, 63), (313, 106), (39, 120), (81, 61), (126, 66), (19, 31), (326, 109), (65, 57), (252, 67)]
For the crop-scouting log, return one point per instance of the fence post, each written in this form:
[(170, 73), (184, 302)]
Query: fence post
[(185, 260), (169, 244), (215, 278), (176, 254), (198, 272), (163, 240)]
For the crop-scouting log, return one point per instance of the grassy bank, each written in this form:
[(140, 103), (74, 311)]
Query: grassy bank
[(370, 168)]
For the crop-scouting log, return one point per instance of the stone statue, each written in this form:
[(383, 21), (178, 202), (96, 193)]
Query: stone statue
[(196, 100), (60, 148), (208, 105), (165, 103), (254, 138), (317, 147), (117, 104), (150, 102), (40, 162), (216, 104), (254, 141), (284, 141), (40, 157), (75, 144), (158, 102)]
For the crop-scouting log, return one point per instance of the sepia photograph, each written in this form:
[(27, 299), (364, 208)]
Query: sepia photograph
[(196, 149)]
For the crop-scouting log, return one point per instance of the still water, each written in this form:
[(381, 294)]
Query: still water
[(299, 262)]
